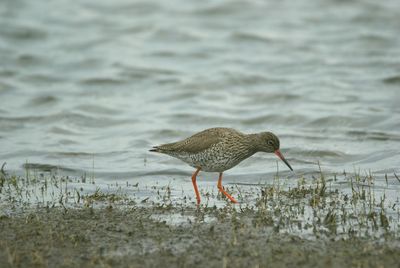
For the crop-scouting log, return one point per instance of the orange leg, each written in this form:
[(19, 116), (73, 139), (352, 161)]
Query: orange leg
[(221, 189), (195, 185)]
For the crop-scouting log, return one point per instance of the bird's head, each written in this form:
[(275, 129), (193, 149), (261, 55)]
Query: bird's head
[(270, 144)]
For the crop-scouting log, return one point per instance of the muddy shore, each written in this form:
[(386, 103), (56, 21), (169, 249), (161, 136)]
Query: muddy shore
[(133, 237)]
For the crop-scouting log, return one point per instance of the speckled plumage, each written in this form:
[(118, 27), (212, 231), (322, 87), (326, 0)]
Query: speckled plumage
[(219, 149), (216, 149)]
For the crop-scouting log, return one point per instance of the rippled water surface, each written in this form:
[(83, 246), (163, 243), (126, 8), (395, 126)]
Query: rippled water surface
[(90, 86)]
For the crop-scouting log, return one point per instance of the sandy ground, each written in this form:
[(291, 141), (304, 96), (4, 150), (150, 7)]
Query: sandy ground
[(142, 237)]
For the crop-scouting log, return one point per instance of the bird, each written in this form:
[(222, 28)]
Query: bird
[(219, 149)]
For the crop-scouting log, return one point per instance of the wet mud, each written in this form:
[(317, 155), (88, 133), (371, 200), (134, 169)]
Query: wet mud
[(141, 237)]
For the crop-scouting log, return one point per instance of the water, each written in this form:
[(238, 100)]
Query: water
[(89, 87)]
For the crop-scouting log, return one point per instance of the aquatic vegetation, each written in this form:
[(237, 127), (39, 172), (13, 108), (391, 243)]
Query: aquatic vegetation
[(353, 215), (316, 206)]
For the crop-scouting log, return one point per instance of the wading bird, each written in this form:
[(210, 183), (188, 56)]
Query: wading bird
[(219, 149)]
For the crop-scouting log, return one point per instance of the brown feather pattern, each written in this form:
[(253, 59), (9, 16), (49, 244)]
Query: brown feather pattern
[(219, 149)]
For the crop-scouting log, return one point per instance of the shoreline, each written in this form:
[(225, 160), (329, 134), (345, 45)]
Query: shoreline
[(103, 237), (56, 221)]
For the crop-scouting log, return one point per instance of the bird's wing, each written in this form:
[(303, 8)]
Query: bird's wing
[(194, 144)]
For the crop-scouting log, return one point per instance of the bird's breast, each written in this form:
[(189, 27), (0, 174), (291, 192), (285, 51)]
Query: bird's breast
[(214, 159)]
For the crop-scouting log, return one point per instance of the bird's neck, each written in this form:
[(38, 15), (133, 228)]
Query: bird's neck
[(254, 141)]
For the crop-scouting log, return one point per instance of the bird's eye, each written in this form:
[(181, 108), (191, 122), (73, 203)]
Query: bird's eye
[(270, 143)]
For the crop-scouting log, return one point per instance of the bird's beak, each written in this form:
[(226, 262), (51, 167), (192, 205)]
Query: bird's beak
[(279, 154)]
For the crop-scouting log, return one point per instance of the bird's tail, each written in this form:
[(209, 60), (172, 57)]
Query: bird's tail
[(164, 148), (155, 149)]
